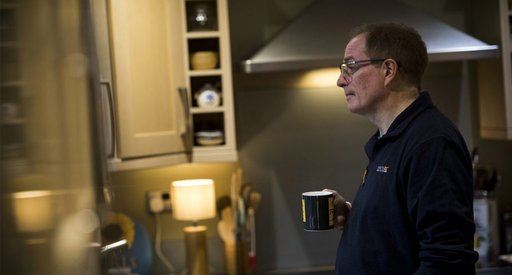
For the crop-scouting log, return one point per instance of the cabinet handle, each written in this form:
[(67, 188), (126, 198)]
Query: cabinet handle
[(109, 114), (186, 135)]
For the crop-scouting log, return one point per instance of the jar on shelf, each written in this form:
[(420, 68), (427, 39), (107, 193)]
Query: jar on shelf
[(201, 16), (208, 96)]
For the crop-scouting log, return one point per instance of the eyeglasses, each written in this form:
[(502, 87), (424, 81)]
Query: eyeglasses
[(348, 68)]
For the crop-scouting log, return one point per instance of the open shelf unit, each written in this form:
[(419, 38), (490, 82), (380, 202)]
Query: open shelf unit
[(12, 99), (209, 79)]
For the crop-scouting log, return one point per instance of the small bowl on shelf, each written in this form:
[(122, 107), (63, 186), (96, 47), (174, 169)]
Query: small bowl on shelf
[(209, 138), (204, 60)]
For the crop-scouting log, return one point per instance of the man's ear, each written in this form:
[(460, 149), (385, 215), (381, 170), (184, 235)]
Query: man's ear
[(390, 68)]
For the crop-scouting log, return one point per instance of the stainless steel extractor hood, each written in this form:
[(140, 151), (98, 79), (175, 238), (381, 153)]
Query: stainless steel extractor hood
[(317, 37)]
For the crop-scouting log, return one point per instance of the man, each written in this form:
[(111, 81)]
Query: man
[(413, 212)]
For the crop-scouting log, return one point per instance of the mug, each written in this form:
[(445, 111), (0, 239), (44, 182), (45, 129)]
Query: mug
[(318, 210)]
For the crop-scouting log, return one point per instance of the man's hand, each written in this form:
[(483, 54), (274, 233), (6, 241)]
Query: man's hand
[(341, 209)]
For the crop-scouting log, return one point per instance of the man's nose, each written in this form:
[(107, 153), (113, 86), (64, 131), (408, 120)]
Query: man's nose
[(342, 82)]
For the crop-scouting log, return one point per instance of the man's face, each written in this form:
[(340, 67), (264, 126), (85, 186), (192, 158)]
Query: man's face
[(364, 88)]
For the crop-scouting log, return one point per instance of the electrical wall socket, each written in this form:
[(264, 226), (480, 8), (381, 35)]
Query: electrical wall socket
[(158, 201)]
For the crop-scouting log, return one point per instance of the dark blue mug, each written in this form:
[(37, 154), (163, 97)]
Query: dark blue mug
[(318, 210)]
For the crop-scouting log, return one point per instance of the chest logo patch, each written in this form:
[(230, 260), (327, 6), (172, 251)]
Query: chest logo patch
[(382, 168)]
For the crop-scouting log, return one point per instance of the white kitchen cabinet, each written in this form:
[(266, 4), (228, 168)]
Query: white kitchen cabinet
[(145, 65), (495, 76), (506, 52), (149, 112)]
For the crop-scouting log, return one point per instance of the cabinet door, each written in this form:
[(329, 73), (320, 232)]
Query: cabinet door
[(146, 62)]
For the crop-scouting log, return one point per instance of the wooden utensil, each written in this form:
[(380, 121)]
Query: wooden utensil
[(255, 199), (226, 226)]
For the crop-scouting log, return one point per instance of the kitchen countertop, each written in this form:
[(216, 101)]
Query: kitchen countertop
[(493, 267), (500, 270), (505, 269)]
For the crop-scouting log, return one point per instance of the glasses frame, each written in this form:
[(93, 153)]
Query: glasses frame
[(349, 68)]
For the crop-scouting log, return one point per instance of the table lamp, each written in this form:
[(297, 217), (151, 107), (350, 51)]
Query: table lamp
[(35, 211), (194, 200)]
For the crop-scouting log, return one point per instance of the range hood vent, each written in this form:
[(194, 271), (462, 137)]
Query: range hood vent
[(317, 37)]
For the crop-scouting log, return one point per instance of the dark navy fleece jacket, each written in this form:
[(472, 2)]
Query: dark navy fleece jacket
[(413, 213)]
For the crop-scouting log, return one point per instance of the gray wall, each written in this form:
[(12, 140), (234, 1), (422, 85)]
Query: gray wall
[(293, 139)]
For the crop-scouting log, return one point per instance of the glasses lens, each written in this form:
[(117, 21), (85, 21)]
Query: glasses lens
[(345, 72)]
